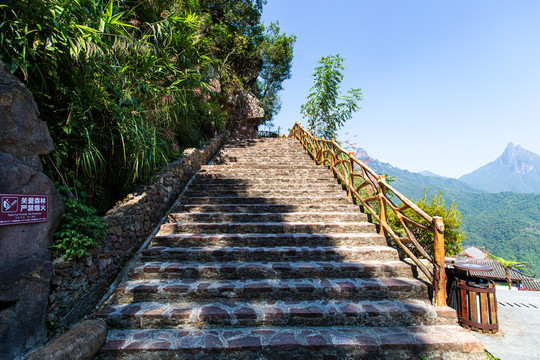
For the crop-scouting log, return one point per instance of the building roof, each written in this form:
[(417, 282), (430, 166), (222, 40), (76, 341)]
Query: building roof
[(531, 284), (474, 253), (498, 271)]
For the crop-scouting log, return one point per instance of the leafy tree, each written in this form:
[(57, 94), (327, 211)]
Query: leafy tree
[(277, 56), (453, 235), (325, 110), (507, 265)]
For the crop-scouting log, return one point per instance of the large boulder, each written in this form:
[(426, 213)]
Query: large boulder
[(21, 132), (246, 116), (25, 262)]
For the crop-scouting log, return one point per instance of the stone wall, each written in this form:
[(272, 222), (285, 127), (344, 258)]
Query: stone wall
[(78, 285)]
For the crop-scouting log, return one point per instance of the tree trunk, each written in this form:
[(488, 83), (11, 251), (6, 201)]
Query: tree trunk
[(508, 278)]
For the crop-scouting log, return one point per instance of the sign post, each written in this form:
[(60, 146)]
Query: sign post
[(18, 209)]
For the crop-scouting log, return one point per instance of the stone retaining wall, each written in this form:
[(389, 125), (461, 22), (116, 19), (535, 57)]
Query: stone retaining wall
[(78, 285)]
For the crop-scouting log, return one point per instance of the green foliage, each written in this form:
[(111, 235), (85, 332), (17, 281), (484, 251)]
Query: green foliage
[(117, 93), (325, 110), (80, 228), (507, 265), (236, 33), (277, 56), (124, 85), (453, 234)]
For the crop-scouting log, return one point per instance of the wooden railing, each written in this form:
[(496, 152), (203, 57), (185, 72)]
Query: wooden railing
[(376, 199)]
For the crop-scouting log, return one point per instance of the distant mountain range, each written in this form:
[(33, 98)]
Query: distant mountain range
[(506, 223), (516, 170), (413, 184)]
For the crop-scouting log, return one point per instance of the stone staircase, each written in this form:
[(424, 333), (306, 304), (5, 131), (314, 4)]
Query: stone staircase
[(265, 257)]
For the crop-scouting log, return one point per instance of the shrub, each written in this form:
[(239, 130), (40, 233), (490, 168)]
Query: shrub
[(80, 229), (453, 235)]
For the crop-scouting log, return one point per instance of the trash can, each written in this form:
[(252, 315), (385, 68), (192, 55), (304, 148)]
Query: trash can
[(475, 299)]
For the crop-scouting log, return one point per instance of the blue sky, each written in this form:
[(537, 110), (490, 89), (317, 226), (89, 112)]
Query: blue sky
[(446, 84)]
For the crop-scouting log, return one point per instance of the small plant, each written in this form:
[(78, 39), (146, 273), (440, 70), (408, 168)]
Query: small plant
[(507, 265), (80, 229), (489, 356)]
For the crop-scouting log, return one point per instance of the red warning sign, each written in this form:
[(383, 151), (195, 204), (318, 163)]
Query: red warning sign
[(23, 209)]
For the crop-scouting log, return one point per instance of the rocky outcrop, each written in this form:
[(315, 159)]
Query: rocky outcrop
[(22, 134), (246, 116), (24, 255)]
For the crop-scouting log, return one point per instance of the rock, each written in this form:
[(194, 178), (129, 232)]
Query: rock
[(25, 258), (21, 132), (17, 241), (249, 106), (82, 342), (246, 116), (24, 290)]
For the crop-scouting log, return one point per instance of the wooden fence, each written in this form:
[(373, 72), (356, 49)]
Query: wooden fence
[(374, 193)]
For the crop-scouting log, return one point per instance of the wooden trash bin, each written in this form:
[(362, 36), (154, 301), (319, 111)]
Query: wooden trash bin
[(477, 306)]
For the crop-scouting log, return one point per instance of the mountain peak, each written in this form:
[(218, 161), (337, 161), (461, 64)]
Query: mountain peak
[(519, 160), (517, 169)]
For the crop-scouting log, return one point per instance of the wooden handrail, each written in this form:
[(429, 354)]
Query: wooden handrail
[(350, 171)]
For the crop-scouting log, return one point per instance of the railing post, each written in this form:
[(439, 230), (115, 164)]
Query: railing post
[(333, 148), (323, 147), (439, 273), (351, 170), (382, 215)]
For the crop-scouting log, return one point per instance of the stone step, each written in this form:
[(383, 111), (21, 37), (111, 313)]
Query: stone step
[(290, 154), (267, 227), (239, 168), (263, 254), (271, 270), (268, 217), (401, 342), (314, 192), (264, 166), (293, 200), (291, 162), (313, 313), (192, 240), (264, 208), (293, 157), (284, 181), (306, 186), (268, 148), (265, 172), (217, 179), (270, 289), (271, 149)]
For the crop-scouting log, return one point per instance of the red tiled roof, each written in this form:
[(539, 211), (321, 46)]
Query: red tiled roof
[(498, 271), (531, 284)]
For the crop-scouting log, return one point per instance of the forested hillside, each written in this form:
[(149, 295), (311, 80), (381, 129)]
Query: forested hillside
[(506, 224), (126, 85)]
